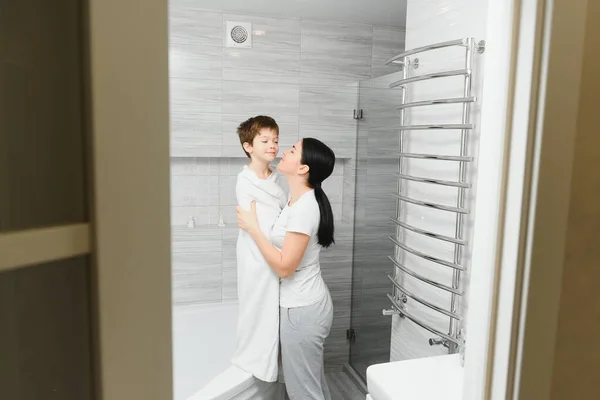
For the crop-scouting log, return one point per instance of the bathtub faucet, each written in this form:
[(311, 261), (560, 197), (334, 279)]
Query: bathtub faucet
[(437, 342)]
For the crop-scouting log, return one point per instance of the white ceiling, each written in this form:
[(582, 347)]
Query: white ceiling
[(377, 12)]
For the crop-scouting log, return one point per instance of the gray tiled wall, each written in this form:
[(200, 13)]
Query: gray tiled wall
[(303, 73)]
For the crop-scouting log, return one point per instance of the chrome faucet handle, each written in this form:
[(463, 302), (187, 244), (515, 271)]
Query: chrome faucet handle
[(389, 312)]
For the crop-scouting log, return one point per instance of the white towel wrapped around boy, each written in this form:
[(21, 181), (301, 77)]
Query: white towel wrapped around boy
[(257, 348)]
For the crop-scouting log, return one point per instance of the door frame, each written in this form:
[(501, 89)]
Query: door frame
[(531, 124), (129, 108), (543, 121)]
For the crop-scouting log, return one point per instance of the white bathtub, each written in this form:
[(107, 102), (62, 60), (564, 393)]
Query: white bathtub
[(203, 344)]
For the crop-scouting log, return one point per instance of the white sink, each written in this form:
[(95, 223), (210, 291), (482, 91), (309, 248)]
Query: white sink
[(431, 378)]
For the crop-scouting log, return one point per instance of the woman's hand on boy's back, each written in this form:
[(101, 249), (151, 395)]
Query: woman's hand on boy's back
[(247, 220)]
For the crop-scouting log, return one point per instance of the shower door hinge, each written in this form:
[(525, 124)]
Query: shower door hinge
[(358, 114), (350, 335)]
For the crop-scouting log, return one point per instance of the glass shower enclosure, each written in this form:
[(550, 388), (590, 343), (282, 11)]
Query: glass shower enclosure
[(376, 168)]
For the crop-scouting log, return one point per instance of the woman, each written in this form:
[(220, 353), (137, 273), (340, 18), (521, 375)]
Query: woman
[(303, 227)]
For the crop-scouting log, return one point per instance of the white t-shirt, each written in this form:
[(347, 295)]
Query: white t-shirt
[(306, 285)]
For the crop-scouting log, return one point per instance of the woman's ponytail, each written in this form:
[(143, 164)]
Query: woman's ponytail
[(320, 160), (326, 225)]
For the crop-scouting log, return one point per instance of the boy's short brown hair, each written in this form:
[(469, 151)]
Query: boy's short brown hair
[(251, 127)]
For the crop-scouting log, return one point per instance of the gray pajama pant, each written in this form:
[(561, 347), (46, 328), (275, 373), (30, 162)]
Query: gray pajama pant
[(302, 335)]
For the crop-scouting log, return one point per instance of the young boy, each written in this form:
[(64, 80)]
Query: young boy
[(258, 286)]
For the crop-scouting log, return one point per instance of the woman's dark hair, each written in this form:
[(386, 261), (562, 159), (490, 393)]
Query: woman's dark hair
[(320, 160)]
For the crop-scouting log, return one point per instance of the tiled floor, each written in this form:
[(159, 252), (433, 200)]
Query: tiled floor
[(342, 387)]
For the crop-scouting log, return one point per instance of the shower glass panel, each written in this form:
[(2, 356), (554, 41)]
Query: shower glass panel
[(376, 166)]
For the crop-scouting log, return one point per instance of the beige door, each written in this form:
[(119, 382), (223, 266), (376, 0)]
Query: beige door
[(84, 200)]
